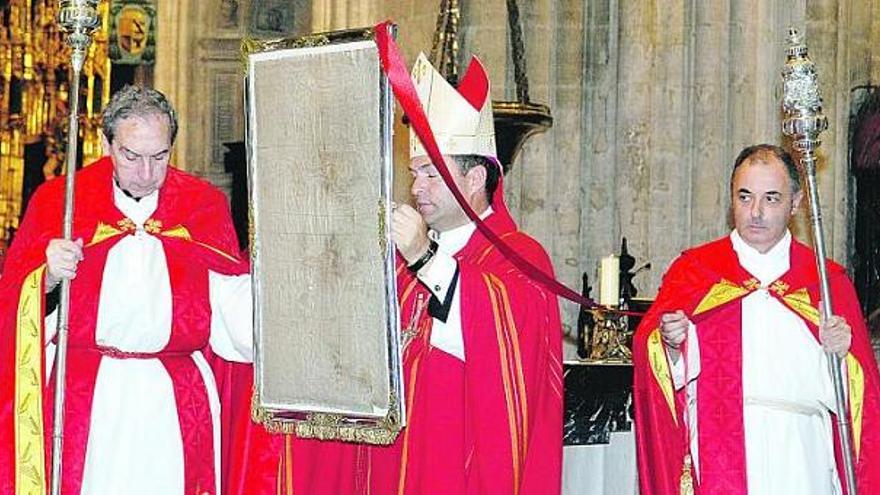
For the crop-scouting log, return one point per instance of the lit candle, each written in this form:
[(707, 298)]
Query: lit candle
[(609, 281)]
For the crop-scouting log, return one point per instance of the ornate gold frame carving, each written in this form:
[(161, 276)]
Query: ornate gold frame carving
[(254, 45), (328, 426), (609, 339)]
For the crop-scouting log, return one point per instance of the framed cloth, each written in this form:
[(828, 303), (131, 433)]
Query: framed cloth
[(327, 332)]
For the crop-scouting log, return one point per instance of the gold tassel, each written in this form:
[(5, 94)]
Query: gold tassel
[(686, 485)]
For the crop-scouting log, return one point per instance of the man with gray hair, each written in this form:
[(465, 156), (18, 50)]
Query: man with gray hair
[(156, 284), (731, 388)]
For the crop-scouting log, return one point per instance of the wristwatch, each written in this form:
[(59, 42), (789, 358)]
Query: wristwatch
[(419, 263)]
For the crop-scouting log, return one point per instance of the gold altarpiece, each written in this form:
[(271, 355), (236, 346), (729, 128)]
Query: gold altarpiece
[(34, 96)]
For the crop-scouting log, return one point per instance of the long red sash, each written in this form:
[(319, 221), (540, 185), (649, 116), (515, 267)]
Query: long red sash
[(403, 88)]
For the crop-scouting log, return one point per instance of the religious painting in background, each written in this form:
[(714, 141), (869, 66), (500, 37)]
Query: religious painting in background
[(133, 32)]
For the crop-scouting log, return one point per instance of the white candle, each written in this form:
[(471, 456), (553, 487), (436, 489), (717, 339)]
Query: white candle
[(609, 281)]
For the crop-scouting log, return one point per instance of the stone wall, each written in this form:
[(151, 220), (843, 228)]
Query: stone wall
[(651, 102)]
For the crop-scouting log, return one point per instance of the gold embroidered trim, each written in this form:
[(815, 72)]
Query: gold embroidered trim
[(178, 232), (127, 225), (221, 253), (104, 232), (515, 409), (856, 399), (779, 287), (30, 469), (660, 368), (686, 482), (153, 226), (799, 302), (722, 293), (752, 284)]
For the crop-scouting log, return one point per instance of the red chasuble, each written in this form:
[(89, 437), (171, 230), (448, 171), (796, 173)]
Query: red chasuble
[(492, 424), (193, 223), (708, 284)]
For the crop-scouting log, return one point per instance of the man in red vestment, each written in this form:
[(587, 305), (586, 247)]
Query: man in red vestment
[(732, 392), (482, 361), (152, 266), (482, 342)]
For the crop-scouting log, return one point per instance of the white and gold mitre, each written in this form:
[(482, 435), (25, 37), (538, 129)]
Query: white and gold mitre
[(461, 118)]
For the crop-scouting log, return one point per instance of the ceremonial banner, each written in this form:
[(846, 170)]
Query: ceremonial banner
[(327, 360)]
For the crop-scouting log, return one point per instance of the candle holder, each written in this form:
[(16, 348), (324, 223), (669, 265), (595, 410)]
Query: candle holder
[(609, 338)]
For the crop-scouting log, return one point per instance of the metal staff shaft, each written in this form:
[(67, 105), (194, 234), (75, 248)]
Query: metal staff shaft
[(79, 18), (802, 106), (64, 303), (843, 421)]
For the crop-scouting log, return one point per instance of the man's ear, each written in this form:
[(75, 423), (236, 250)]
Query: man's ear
[(476, 178), (796, 201), (105, 145)]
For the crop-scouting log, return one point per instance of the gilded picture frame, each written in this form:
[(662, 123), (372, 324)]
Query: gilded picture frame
[(326, 323)]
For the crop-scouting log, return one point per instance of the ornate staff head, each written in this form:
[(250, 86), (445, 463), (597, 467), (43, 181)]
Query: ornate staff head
[(803, 119), (78, 18)]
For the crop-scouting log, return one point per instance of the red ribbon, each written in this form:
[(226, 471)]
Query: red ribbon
[(398, 76)]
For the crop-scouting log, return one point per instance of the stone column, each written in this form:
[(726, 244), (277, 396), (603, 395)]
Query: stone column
[(172, 75)]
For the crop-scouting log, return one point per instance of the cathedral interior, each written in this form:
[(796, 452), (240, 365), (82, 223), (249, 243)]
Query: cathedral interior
[(638, 108), (624, 116)]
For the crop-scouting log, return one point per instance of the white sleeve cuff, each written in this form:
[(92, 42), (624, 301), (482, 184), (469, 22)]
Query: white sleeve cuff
[(232, 322), (679, 379), (439, 274), (50, 326)]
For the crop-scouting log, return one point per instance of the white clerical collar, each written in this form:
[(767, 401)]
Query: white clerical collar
[(138, 211), (767, 267), (451, 241)]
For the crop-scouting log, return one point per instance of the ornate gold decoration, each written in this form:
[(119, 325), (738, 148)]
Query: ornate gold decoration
[(723, 292), (686, 483), (34, 63), (181, 232), (127, 225), (856, 376), (132, 33), (327, 426), (779, 287), (609, 338), (178, 232), (799, 302), (30, 466), (253, 45), (153, 226), (660, 369), (103, 232)]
